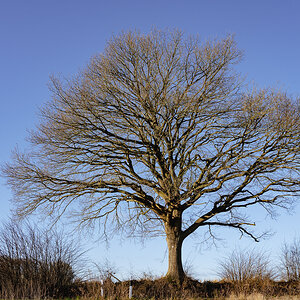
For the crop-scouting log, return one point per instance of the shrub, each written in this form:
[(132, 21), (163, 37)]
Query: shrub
[(245, 265), (35, 263), (290, 261)]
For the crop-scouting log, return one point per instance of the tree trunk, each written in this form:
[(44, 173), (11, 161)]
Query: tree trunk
[(174, 240), (175, 269)]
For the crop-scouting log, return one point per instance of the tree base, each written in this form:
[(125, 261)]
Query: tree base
[(176, 280)]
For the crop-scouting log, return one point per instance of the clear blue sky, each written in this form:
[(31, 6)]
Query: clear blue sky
[(40, 38)]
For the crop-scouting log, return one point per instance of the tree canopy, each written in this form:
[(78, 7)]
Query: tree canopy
[(159, 132)]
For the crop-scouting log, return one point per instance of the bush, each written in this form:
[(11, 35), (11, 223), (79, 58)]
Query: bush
[(245, 265), (35, 263), (249, 271), (290, 261)]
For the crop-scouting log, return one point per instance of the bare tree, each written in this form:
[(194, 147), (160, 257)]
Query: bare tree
[(290, 261), (156, 132)]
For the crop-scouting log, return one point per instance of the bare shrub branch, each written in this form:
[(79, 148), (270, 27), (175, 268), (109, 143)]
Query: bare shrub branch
[(246, 265), (36, 263), (290, 261)]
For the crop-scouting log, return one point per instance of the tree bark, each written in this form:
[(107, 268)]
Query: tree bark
[(175, 269), (175, 239)]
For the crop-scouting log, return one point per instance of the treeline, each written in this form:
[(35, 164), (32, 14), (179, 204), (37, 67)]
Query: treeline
[(38, 263)]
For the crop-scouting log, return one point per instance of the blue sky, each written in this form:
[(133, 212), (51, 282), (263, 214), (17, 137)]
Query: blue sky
[(41, 38)]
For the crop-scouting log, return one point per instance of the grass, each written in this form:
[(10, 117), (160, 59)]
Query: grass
[(161, 289)]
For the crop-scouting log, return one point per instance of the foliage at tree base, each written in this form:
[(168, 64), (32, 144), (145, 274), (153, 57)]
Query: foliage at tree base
[(162, 288), (190, 289)]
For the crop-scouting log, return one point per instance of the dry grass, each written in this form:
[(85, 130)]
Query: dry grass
[(231, 297), (258, 296), (162, 289)]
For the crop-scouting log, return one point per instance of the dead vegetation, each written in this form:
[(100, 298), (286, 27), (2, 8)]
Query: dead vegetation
[(191, 289), (146, 288), (244, 274), (37, 264)]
